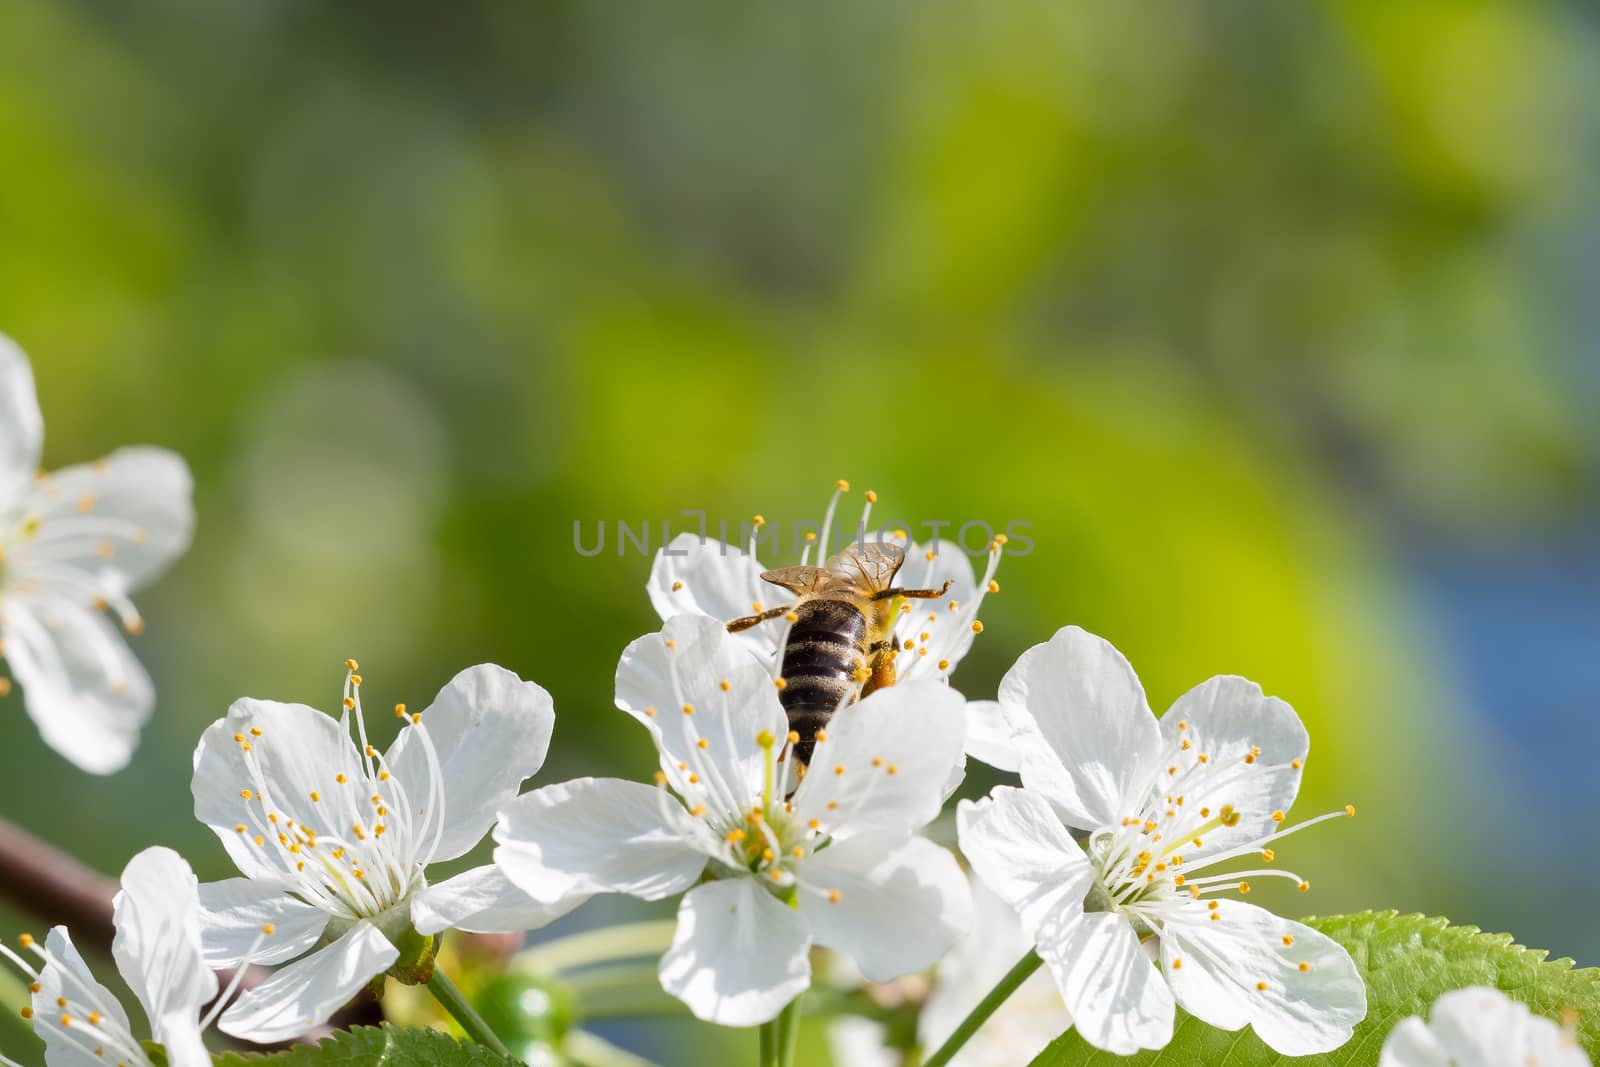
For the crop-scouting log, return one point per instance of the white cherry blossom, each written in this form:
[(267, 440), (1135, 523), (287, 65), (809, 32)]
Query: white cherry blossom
[(73, 546), (766, 871), (1161, 803), (1480, 1027), (157, 951), (701, 576), (333, 837)]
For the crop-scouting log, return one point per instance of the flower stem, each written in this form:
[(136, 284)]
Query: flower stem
[(451, 1000), (788, 1032), (986, 1007), (769, 1044)]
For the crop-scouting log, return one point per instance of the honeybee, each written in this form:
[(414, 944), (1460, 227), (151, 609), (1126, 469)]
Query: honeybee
[(841, 646)]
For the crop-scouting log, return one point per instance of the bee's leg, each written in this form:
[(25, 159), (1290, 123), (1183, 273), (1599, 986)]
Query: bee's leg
[(915, 594), (755, 620)]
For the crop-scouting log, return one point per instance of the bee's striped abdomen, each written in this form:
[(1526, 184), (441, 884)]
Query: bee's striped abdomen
[(819, 664)]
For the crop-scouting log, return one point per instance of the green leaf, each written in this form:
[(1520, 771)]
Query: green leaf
[(1407, 961), (366, 1046)]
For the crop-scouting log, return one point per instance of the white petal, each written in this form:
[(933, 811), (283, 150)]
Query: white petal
[(483, 901), (81, 683), (300, 751), (180, 1038), (949, 629), (83, 995), (692, 576), (899, 908), (738, 956), (157, 944), (124, 520), (597, 835), (686, 665), (21, 425), (1411, 1044), (1018, 847), (1225, 717), (991, 735), (233, 912), (1117, 999), (1099, 734), (1299, 1012), (490, 730), (1482, 1026), (301, 996), (886, 762), (859, 1042)]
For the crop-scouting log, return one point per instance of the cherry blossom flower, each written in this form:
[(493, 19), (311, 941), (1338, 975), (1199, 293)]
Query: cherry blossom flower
[(334, 837), (73, 546), (1161, 803), (157, 950), (766, 870), (1480, 1027)]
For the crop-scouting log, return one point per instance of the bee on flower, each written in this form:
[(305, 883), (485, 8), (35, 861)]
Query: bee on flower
[(770, 857)]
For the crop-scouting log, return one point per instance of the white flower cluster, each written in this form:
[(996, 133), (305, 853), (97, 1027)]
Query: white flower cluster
[(1116, 859)]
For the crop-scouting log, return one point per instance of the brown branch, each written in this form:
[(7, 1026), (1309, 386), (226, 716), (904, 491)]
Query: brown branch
[(44, 881)]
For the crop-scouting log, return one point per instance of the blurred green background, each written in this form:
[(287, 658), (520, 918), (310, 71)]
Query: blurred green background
[(1276, 322)]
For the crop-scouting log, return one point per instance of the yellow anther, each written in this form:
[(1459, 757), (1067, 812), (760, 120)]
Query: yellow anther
[(931, 555), (1249, 757), (977, 627), (688, 709), (791, 617), (66, 1020), (1304, 887), (1261, 987), (810, 536), (1350, 810), (377, 831), (255, 731), (246, 794), (27, 1012), (876, 762), (5, 687), (781, 683), (1211, 904), (661, 778), (1184, 746), (1297, 764), (1205, 813), (775, 873), (839, 769), (355, 679), (755, 605), (1277, 816), (1216, 916), (703, 743), (834, 896), (1001, 539), (240, 827), (944, 665), (34, 987), (872, 497), (1304, 966), (910, 644), (994, 586), (725, 686), (671, 644), (399, 711), (1172, 770), (1178, 880), (1244, 887), (649, 713), (1203, 758), (822, 735), (371, 751), (677, 586), (61, 1002), (842, 485), (833, 805), (416, 718), (767, 854), (797, 852), (794, 737), (349, 703), (267, 929), (238, 739), (1229, 816), (891, 769), (260, 841), (861, 674), (1267, 855), (757, 520), (351, 665), (1177, 964), (339, 778), (698, 810), (735, 836)]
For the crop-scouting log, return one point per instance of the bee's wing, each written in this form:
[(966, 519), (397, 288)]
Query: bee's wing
[(872, 563), (799, 580)]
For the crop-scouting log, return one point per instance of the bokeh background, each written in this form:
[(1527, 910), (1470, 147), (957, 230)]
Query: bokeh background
[(1276, 323)]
